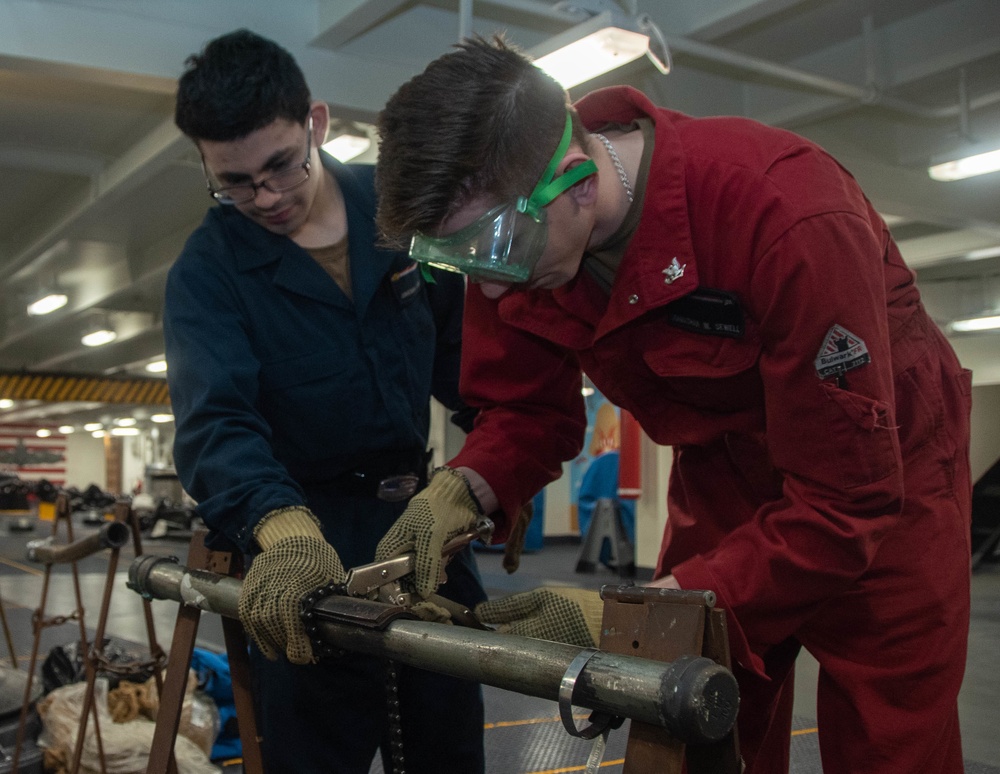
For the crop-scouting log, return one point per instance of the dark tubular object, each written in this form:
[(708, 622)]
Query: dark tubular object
[(114, 534), (694, 698)]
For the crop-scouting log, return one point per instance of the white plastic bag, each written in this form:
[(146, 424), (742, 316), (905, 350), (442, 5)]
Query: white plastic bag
[(126, 745)]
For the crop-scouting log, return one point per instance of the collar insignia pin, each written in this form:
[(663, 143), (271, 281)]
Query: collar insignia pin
[(674, 271)]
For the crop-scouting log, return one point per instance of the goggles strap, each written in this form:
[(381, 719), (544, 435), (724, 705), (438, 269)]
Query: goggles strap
[(548, 188)]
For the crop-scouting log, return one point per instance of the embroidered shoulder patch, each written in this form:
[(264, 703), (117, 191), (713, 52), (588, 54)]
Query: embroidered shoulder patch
[(841, 351)]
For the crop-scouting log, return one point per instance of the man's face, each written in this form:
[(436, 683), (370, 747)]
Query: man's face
[(568, 232), (279, 146)]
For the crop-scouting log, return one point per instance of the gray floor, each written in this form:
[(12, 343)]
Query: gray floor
[(523, 733)]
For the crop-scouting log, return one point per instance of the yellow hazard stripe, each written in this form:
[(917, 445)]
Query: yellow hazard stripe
[(68, 387)]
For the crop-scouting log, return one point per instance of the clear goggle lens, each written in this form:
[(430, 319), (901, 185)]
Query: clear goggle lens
[(503, 245)]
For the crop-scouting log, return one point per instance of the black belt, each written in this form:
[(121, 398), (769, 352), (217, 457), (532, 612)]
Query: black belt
[(391, 475)]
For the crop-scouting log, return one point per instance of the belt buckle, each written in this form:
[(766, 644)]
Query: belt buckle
[(395, 489)]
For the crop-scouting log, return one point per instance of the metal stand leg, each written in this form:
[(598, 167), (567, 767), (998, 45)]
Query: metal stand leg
[(172, 697), (607, 524), (7, 636)]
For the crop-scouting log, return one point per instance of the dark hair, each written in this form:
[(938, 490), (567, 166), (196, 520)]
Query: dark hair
[(239, 83), (479, 120)]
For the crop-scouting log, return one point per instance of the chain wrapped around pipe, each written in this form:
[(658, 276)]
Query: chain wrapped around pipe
[(694, 698)]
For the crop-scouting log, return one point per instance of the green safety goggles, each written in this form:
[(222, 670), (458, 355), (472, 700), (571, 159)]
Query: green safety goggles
[(505, 243)]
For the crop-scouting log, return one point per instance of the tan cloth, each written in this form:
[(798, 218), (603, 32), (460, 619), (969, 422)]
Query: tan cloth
[(335, 260)]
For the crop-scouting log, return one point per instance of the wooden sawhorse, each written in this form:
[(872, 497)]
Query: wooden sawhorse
[(664, 625)]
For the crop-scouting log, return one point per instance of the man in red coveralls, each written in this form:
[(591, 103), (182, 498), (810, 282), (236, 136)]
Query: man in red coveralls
[(728, 284)]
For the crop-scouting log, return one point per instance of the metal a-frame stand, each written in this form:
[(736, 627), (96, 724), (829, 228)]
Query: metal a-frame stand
[(95, 657), (126, 524), (161, 760), (607, 524), (40, 622)]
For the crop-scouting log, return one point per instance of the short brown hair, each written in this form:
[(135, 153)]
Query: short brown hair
[(481, 120)]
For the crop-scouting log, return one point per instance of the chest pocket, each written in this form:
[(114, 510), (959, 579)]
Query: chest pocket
[(313, 403), (672, 352), (704, 335), (686, 387), (292, 372), (711, 373)]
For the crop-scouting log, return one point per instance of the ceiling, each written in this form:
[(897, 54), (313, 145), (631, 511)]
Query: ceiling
[(99, 189)]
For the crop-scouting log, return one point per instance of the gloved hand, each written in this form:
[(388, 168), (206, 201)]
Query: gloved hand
[(444, 509), (295, 560), (558, 614), (514, 545)]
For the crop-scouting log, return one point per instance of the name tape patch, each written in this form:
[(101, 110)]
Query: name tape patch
[(709, 311)]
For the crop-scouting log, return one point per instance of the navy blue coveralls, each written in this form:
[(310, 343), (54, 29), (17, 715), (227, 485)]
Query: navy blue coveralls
[(283, 389)]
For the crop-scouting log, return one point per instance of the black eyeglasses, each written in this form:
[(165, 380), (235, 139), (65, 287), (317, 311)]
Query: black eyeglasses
[(285, 180)]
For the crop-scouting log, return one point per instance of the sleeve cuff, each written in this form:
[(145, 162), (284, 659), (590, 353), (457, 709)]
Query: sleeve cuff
[(696, 574), (293, 521)]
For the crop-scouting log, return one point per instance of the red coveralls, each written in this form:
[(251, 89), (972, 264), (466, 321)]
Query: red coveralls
[(827, 510)]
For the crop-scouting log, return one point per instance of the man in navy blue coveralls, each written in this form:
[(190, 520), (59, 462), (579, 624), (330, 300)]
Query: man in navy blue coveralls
[(301, 362)]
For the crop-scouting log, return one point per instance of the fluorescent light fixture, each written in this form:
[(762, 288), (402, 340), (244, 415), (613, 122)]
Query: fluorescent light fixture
[(67, 429), (47, 304), (970, 166), (587, 50), (157, 366), (91, 427), (124, 431), (125, 422), (99, 433), (972, 324), (348, 142), (99, 337), (161, 418), (6, 403), (605, 41), (43, 432)]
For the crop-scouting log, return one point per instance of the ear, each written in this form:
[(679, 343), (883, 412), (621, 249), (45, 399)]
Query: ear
[(583, 193), (319, 111)]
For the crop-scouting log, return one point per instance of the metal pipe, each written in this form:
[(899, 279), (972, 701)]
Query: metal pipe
[(114, 534), (694, 698), (464, 20)]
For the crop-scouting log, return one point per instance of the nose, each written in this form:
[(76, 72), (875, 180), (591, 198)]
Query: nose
[(493, 290), (264, 197)]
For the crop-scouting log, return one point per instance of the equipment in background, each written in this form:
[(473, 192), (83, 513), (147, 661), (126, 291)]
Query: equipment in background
[(112, 535), (19, 499), (12, 691), (164, 508), (607, 541), (986, 518)]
